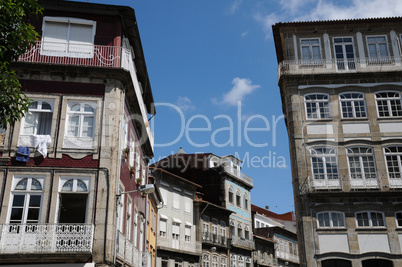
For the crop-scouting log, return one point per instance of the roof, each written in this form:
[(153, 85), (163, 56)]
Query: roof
[(286, 216), (176, 176)]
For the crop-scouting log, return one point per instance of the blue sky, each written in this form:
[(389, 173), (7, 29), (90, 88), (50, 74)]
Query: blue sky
[(206, 57)]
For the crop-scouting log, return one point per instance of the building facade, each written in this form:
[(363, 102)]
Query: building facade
[(71, 169), (341, 93), (177, 243)]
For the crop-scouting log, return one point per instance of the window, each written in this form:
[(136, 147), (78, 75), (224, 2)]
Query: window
[(120, 210), (344, 53), (188, 204), (187, 233), (240, 230), (223, 261), (232, 260), (353, 105), (238, 198), (37, 121), (129, 218), (223, 232), (205, 227), (324, 163), (361, 163), (2, 135), (26, 201), (162, 227), (214, 230), (377, 47), (317, 106), (68, 37), (246, 232), (245, 201), (398, 217), (310, 49), (80, 125), (215, 260), (231, 193), (135, 227), (176, 201), (205, 260), (257, 224), (394, 163), (232, 228), (73, 196), (388, 104), (240, 261), (175, 231), (330, 219), (370, 219)]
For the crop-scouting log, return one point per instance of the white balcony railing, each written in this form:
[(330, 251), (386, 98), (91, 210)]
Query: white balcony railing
[(129, 254), (239, 175), (180, 245), (286, 256), (91, 56), (363, 183), (325, 66), (46, 238), (326, 183)]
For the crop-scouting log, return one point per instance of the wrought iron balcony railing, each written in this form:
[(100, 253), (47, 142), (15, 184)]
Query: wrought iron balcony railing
[(326, 66), (46, 238)]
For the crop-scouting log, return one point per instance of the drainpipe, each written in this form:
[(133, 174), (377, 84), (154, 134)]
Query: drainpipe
[(312, 234)]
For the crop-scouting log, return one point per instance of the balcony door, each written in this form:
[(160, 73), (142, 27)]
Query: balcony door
[(344, 53)]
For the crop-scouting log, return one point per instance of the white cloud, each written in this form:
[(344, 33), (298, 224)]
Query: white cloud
[(310, 10), (241, 88), (235, 6), (244, 34), (185, 104)]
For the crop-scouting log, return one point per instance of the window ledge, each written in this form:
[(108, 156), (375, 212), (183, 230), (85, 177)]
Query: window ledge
[(330, 229), (355, 119), (377, 229), (320, 120), (385, 119)]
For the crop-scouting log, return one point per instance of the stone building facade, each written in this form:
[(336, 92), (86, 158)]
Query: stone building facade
[(340, 83)]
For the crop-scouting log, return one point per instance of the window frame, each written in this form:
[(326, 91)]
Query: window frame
[(378, 58), (398, 225), (310, 49), (320, 112), (360, 156), (231, 195), (238, 198), (38, 111), (370, 219), (163, 232), (353, 100), (398, 155), (28, 192), (388, 99), (324, 157), (331, 219), (68, 42)]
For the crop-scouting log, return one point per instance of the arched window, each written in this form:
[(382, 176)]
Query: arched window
[(353, 105), (238, 198), (26, 201), (361, 163), (317, 106), (73, 200), (205, 260), (231, 193), (245, 201), (324, 163), (38, 119), (388, 104)]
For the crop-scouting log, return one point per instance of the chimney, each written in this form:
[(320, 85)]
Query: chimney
[(267, 207)]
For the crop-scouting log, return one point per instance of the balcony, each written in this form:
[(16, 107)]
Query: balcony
[(327, 66), (324, 182), (130, 255), (285, 256), (243, 243), (46, 238), (214, 239), (179, 245), (115, 57), (239, 175)]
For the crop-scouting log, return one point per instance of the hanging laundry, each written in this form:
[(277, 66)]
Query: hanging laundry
[(23, 154), (41, 143)]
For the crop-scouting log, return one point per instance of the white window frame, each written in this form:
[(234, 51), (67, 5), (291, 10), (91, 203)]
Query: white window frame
[(331, 218), (317, 106), (391, 104), (231, 195), (80, 141), (310, 47), (28, 192), (129, 217), (162, 227), (63, 49), (397, 168), (398, 214), (370, 214), (378, 58), (356, 101), (38, 110), (327, 155), (361, 155), (187, 233)]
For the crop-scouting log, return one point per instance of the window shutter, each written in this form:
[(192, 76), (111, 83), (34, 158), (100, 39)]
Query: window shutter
[(55, 36), (162, 225), (80, 38)]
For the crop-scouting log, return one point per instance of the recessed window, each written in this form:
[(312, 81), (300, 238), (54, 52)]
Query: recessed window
[(361, 163), (398, 217), (324, 163), (68, 37), (330, 219), (353, 105), (231, 195), (317, 106), (245, 201), (187, 233), (38, 119), (393, 155), (238, 198), (388, 104), (370, 219), (310, 48), (162, 227)]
